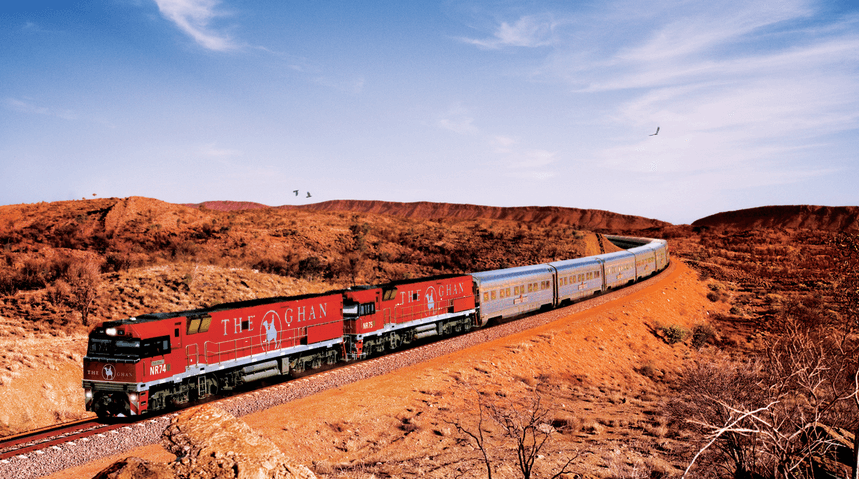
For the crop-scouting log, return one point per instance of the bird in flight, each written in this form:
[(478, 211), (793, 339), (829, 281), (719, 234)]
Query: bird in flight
[(308, 194), (296, 192), (657, 132)]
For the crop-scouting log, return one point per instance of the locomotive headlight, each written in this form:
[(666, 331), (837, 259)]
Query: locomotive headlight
[(110, 331), (132, 397), (88, 393)]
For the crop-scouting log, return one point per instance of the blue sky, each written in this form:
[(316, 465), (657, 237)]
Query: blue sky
[(507, 103)]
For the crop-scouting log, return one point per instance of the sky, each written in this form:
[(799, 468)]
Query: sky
[(500, 103)]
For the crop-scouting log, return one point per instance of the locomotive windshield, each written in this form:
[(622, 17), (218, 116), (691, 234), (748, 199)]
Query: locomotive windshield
[(130, 348)]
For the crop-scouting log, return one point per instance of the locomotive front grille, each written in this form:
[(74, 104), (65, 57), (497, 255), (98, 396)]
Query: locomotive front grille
[(108, 386)]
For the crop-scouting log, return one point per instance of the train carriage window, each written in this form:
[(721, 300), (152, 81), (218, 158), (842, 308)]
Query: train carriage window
[(530, 287), (508, 292), (590, 275), (516, 290), (486, 296), (596, 274), (492, 294)]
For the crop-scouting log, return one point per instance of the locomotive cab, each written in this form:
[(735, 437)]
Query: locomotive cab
[(114, 369)]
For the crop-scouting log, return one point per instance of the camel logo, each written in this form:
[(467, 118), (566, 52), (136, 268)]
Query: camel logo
[(108, 372), (269, 337), (429, 297)]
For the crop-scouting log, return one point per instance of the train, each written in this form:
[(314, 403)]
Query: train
[(157, 361)]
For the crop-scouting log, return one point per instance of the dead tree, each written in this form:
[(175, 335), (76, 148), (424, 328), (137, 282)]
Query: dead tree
[(84, 278), (526, 430), (766, 414)]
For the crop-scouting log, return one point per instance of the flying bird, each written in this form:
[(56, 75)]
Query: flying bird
[(657, 132), (296, 192), (308, 194)]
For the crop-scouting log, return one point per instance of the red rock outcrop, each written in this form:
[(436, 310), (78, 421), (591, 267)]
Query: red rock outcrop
[(210, 443), (581, 218), (794, 217)]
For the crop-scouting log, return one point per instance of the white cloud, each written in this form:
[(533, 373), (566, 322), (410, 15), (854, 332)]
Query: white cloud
[(504, 152), (745, 93), (212, 150), (194, 17), (458, 120), (22, 106), (529, 31)]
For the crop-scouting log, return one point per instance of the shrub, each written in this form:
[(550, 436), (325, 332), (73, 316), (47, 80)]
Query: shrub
[(648, 370), (702, 334), (674, 334)]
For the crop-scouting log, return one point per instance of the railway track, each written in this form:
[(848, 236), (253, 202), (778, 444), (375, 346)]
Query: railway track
[(39, 453), (36, 440)]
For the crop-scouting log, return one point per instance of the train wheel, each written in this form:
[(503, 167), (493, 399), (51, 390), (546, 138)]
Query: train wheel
[(331, 358)]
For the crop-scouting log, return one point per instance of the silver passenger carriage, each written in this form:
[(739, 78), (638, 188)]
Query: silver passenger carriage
[(661, 249), (618, 268), (578, 278), (651, 255), (645, 260), (505, 293)]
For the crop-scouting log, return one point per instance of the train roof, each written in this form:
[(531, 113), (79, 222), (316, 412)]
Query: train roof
[(575, 262), (511, 272), (394, 284), (149, 317)]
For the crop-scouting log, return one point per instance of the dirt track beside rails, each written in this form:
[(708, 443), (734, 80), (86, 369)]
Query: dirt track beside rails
[(588, 366)]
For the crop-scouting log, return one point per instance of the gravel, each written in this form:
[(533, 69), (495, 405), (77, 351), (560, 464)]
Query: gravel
[(118, 441)]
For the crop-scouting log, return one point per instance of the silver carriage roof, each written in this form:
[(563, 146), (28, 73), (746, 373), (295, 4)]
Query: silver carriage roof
[(510, 273)]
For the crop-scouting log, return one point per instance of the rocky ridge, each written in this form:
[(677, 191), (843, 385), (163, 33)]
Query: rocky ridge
[(794, 217), (210, 443)]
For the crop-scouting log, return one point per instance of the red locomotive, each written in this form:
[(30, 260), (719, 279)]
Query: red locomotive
[(154, 361)]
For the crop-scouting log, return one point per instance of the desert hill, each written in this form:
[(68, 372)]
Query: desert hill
[(820, 218), (66, 266), (593, 220), (752, 270)]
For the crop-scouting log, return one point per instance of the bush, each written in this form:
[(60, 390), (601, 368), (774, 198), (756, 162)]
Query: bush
[(674, 334), (702, 334)]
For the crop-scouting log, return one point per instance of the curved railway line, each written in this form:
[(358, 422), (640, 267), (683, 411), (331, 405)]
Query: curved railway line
[(49, 450)]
